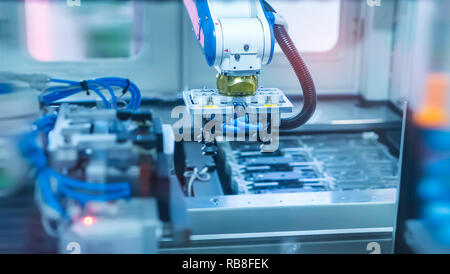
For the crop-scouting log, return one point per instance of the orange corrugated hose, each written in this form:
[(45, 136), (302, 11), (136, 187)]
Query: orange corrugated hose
[(434, 113)]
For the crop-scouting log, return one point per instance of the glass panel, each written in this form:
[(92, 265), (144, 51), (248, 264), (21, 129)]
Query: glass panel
[(60, 31), (313, 25)]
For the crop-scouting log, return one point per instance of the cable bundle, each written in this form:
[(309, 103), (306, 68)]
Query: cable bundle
[(64, 186), (97, 85)]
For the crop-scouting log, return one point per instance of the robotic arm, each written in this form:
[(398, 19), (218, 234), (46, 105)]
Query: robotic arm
[(238, 37)]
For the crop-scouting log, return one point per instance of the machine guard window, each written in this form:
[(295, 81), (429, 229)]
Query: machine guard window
[(319, 22), (59, 31)]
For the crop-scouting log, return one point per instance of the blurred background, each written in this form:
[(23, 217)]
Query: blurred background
[(376, 64)]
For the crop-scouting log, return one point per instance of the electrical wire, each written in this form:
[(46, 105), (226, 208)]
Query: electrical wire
[(127, 85), (194, 175), (69, 88)]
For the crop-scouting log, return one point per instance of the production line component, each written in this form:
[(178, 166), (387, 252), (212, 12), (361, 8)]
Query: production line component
[(105, 171), (336, 162), (238, 38)]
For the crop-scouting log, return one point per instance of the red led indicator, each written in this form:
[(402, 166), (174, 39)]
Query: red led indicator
[(88, 220)]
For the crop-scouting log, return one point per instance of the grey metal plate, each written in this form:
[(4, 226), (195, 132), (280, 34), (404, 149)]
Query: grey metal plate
[(292, 211)]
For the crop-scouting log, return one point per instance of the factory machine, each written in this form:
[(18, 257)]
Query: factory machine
[(275, 144)]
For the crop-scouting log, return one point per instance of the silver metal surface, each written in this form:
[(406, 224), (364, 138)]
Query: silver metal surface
[(304, 242), (296, 223), (293, 199), (292, 211)]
